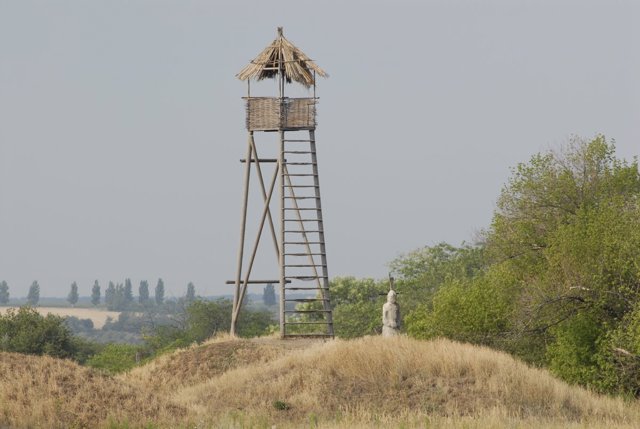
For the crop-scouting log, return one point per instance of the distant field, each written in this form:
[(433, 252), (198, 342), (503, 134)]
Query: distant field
[(99, 317)]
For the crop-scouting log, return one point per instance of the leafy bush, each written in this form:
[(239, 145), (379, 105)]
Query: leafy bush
[(116, 358), (477, 310), (26, 331)]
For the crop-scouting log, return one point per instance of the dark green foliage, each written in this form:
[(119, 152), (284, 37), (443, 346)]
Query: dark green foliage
[(4, 292), (207, 318), (357, 306), (618, 358), (557, 279), (476, 310), (422, 272), (159, 296), (116, 358), (72, 298), (143, 292), (34, 294), (574, 354), (135, 322), (281, 405), (269, 295), (78, 325), (26, 331), (203, 320), (95, 293)]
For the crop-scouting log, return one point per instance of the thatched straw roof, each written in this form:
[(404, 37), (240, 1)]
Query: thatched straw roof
[(296, 65)]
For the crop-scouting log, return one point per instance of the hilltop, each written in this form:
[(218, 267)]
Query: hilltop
[(263, 382)]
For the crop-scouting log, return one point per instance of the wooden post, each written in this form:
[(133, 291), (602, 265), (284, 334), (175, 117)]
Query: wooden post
[(282, 169), (243, 224)]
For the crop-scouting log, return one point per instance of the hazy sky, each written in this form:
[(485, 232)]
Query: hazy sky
[(121, 125)]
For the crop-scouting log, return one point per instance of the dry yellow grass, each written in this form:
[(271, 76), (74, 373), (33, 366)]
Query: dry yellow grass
[(370, 382), (98, 317), (46, 392), (401, 379)]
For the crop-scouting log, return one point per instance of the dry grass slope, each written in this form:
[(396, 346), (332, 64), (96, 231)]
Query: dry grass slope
[(380, 378), (362, 383), (53, 393), (190, 366)]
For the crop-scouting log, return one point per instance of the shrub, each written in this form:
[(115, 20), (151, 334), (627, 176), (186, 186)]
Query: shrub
[(116, 358), (26, 331)]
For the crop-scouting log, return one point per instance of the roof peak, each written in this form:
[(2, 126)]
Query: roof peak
[(283, 55)]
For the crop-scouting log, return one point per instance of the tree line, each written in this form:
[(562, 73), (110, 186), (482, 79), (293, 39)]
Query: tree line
[(117, 297)]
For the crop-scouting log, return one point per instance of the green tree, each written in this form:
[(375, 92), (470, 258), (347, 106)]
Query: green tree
[(356, 305), (4, 292), (118, 300), (128, 292), (476, 310), (95, 293), (423, 271), (191, 293), (72, 298), (34, 294), (159, 295), (26, 331), (143, 292), (269, 295), (110, 296), (557, 270)]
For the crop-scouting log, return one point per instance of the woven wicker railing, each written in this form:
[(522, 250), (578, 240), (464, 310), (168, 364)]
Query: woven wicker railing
[(271, 114)]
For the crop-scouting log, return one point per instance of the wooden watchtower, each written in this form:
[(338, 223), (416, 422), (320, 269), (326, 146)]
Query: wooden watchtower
[(298, 240)]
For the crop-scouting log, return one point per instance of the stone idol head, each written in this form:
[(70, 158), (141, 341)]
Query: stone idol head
[(391, 296)]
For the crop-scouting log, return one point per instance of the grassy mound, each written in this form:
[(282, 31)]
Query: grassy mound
[(186, 367), (376, 378), (258, 383), (40, 391)]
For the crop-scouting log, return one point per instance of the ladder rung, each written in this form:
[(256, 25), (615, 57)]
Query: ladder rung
[(302, 231), (300, 175), (243, 160), (297, 151), (306, 299), (301, 198), (301, 163), (306, 277), (308, 323), (304, 254), (307, 288), (288, 140), (303, 242), (303, 220), (301, 208), (301, 186), (305, 265), (307, 311)]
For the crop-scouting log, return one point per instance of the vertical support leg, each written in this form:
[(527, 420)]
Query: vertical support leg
[(247, 174), (323, 251), (252, 258), (282, 169)]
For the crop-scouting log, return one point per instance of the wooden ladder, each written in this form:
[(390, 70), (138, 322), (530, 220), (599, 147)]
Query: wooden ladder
[(303, 267)]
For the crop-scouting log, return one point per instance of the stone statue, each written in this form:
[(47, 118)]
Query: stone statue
[(390, 316)]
